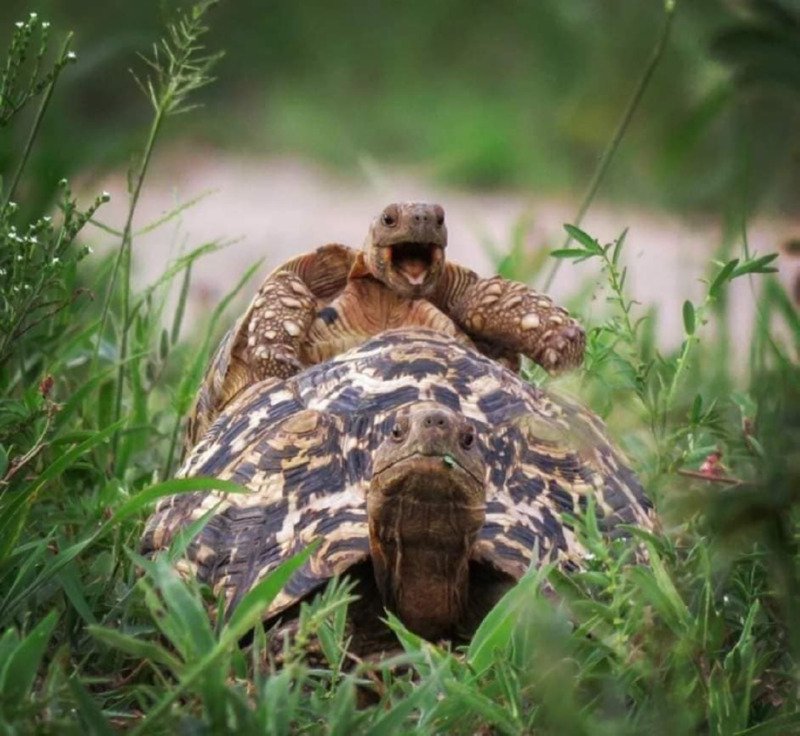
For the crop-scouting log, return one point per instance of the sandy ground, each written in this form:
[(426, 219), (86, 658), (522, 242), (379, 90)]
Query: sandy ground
[(277, 208)]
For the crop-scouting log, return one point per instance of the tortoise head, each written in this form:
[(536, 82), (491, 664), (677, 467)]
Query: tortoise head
[(426, 504), (405, 246)]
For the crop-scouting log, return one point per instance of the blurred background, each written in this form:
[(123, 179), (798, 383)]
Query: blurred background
[(323, 112)]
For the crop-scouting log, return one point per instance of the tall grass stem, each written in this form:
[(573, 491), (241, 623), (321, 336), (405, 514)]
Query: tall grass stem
[(622, 127)]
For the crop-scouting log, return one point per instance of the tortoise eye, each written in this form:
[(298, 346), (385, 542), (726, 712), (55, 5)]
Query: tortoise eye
[(397, 432), (388, 219), (468, 438)]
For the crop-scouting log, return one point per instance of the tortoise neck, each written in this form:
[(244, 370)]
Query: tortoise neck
[(420, 554), (428, 589)]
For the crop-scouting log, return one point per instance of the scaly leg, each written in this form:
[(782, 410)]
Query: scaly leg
[(277, 324), (513, 316)]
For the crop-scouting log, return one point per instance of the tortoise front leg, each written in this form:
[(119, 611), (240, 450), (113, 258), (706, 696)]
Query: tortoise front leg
[(512, 315), (279, 320)]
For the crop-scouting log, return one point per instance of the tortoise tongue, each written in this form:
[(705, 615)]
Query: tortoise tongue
[(414, 269)]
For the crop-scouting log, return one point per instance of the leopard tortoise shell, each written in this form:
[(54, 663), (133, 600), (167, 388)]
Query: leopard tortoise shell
[(429, 472)]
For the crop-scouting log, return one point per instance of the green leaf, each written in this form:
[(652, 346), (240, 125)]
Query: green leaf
[(697, 409), (397, 719), (722, 277), (778, 726), (249, 611), (586, 240), (91, 715), (19, 672), (756, 265), (178, 612), (51, 568), (497, 629), (144, 498), (8, 643), (183, 537), (474, 701), (14, 511), (569, 253), (246, 615), (69, 580), (688, 317), (137, 647), (412, 643), (618, 251), (656, 584)]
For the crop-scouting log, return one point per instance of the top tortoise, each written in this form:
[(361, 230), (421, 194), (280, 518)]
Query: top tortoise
[(320, 304)]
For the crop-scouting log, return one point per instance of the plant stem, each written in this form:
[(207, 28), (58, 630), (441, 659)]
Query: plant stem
[(37, 122), (683, 358), (619, 133), (615, 282), (123, 262)]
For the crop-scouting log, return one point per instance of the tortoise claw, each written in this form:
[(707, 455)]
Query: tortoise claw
[(561, 349)]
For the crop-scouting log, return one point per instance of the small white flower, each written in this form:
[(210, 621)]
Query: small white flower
[(56, 261), (19, 24), (34, 16), (46, 24), (588, 556), (726, 599), (2, 272), (19, 258), (71, 55)]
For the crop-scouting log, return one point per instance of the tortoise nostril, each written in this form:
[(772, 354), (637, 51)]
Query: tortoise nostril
[(436, 419)]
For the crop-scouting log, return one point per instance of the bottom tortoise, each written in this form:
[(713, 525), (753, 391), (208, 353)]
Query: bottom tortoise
[(430, 473)]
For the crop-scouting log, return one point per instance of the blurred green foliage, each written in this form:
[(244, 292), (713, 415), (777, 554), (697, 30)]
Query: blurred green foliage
[(477, 94)]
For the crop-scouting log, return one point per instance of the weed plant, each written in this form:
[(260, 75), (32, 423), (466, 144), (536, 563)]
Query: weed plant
[(704, 638)]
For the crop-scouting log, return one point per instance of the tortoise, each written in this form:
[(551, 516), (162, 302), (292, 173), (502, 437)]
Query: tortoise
[(432, 475), (319, 304)]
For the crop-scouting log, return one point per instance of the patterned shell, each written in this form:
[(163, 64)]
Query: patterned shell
[(303, 448)]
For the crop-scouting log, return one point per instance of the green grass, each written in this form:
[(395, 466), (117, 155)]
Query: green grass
[(96, 378)]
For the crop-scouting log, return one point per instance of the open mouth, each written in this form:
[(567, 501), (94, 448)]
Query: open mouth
[(414, 260)]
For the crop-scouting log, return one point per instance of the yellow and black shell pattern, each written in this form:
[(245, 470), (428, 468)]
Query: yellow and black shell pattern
[(303, 448)]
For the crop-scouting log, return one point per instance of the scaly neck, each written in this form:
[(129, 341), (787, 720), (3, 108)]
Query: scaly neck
[(420, 554)]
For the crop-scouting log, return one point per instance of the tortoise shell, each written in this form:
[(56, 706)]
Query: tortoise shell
[(303, 447)]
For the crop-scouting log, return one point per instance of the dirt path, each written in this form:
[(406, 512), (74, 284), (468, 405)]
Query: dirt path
[(276, 208)]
